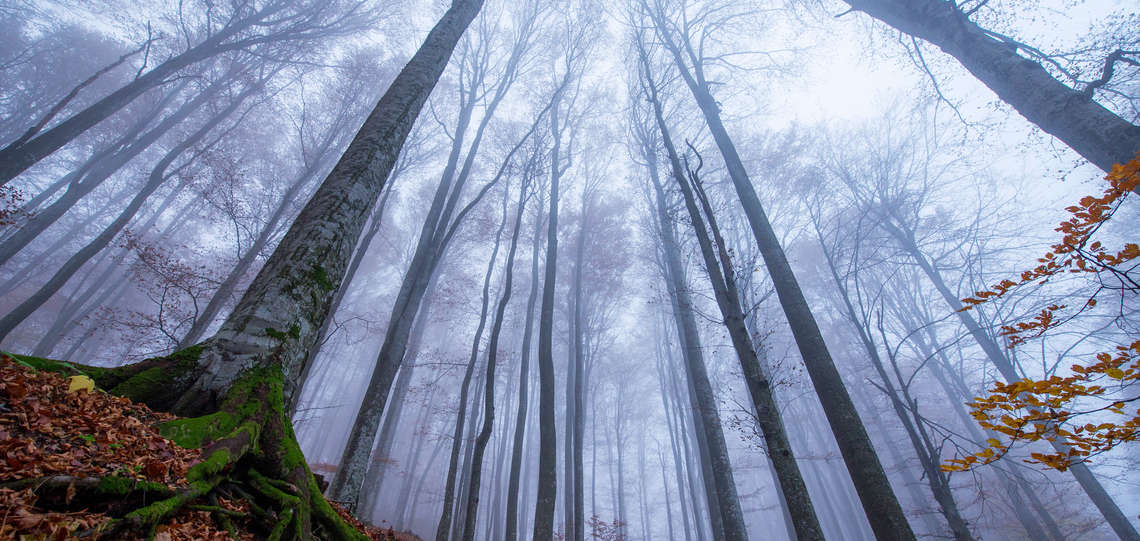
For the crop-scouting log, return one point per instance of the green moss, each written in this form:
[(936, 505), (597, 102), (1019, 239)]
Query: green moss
[(51, 365), (275, 334), (294, 333), (195, 432), (115, 485), (155, 513), (144, 384), (186, 359), (214, 464), (329, 518), (321, 277), (160, 376)]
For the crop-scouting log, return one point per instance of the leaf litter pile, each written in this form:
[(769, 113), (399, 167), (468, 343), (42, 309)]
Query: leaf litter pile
[(61, 432)]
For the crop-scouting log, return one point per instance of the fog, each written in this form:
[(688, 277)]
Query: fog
[(641, 269)]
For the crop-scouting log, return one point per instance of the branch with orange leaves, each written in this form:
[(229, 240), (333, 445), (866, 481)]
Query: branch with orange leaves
[(1051, 409), (1030, 411)]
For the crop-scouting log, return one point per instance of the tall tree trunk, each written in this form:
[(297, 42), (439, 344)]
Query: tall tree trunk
[(937, 480), (695, 451), (1094, 132), (685, 497), (492, 357), (443, 530), (879, 502), (510, 532), (619, 446), (710, 431), (240, 380), (721, 275), (547, 435), (581, 379), (668, 498), (435, 236)]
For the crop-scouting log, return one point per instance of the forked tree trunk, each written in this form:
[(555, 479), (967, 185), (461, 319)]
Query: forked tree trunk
[(710, 431), (722, 277), (880, 504)]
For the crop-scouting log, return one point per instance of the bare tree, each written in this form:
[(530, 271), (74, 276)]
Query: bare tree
[(237, 26)]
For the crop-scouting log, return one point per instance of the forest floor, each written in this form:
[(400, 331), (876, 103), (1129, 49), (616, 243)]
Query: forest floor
[(65, 433)]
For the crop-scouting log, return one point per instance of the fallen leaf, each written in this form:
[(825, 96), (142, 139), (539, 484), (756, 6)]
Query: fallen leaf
[(79, 383)]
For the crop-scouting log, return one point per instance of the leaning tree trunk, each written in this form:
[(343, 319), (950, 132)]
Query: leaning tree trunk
[(99, 172), (24, 153), (937, 480), (1099, 135), (157, 176), (435, 235), (240, 380), (724, 496)]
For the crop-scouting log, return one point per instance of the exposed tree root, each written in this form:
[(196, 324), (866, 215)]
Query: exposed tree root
[(249, 452)]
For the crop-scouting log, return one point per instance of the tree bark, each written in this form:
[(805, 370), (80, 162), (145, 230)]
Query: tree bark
[(721, 276), (241, 378), (937, 480), (443, 529), (1091, 485)]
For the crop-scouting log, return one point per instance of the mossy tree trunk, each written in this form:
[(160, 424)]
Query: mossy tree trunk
[(238, 382)]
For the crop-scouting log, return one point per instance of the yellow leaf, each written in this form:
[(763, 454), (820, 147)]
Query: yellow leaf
[(994, 442), (1115, 373), (81, 383)]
